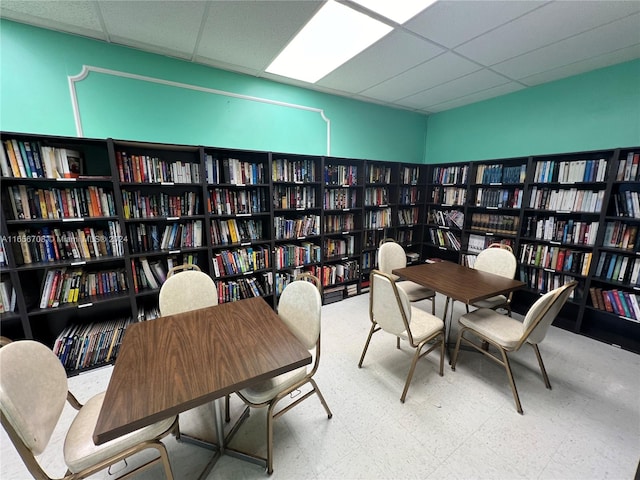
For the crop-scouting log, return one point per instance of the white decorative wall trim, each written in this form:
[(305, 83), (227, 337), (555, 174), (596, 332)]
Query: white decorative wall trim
[(86, 69)]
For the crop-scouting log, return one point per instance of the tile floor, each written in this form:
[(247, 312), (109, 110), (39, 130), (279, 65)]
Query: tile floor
[(460, 426)]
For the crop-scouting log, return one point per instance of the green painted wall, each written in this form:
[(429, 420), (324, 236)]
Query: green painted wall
[(35, 98), (595, 110)]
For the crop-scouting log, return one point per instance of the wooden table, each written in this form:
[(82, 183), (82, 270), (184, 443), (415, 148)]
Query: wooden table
[(174, 363), (458, 282)]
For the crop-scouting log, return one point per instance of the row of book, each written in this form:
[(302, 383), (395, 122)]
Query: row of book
[(477, 243), (446, 218), (334, 247), (148, 312), (7, 296), (374, 219), (378, 174), (450, 175), (339, 273), (284, 278), (146, 169), (339, 223), (629, 168), (499, 198), (53, 244), (19, 159), (627, 203), (409, 196), (60, 203), (404, 237), (409, 175), (545, 280), (497, 173), (495, 223), (241, 261), (618, 268), (374, 197), (241, 288), (296, 171), (152, 274), (566, 200), (571, 171), (290, 255), (449, 195), (408, 216), (561, 230), (233, 171), (369, 260), (623, 303), (86, 345), (555, 258), (226, 232), (340, 199), (144, 237), (65, 285), (346, 175), (291, 228), (372, 238), (444, 238), (225, 201), (137, 204), (621, 235), (299, 197)]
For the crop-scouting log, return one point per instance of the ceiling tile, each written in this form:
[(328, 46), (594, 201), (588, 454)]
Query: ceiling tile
[(81, 18), (252, 34), (472, 83), (392, 55), (171, 26), (600, 61), (551, 23), (605, 39), (441, 69), (476, 97), (451, 23)]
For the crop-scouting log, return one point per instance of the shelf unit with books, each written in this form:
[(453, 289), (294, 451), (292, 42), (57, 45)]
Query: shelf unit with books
[(62, 222), (612, 309), (446, 198), (561, 225), (239, 216), (412, 181)]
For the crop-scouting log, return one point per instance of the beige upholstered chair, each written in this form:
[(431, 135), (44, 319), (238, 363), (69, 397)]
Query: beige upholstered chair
[(508, 335), (391, 255), (497, 258), (33, 390), (190, 290), (300, 309), (187, 288), (391, 311)]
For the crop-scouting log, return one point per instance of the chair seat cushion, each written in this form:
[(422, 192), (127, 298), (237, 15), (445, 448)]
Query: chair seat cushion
[(501, 329), (415, 292), (79, 450), (264, 391), (422, 325), (491, 302)]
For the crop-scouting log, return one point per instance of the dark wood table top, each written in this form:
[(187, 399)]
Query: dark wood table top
[(174, 363), (461, 283)]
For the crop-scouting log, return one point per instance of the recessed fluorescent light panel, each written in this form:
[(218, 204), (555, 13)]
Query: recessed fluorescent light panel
[(397, 10), (334, 35)]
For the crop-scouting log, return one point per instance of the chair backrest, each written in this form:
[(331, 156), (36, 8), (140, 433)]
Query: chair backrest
[(389, 305), (33, 391), (500, 261), (391, 255), (187, 290), (542, 313), (183, 267), (309, 277), (300, 308)]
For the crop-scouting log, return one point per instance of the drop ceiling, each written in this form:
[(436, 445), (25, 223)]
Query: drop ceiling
[(453, 53)]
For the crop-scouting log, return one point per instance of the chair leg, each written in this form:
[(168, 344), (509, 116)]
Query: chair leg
[(512, 382), (366, 345), (270, 439), (165, 460), (321, 397), (442, 349), (545, 377), (410, 375)]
